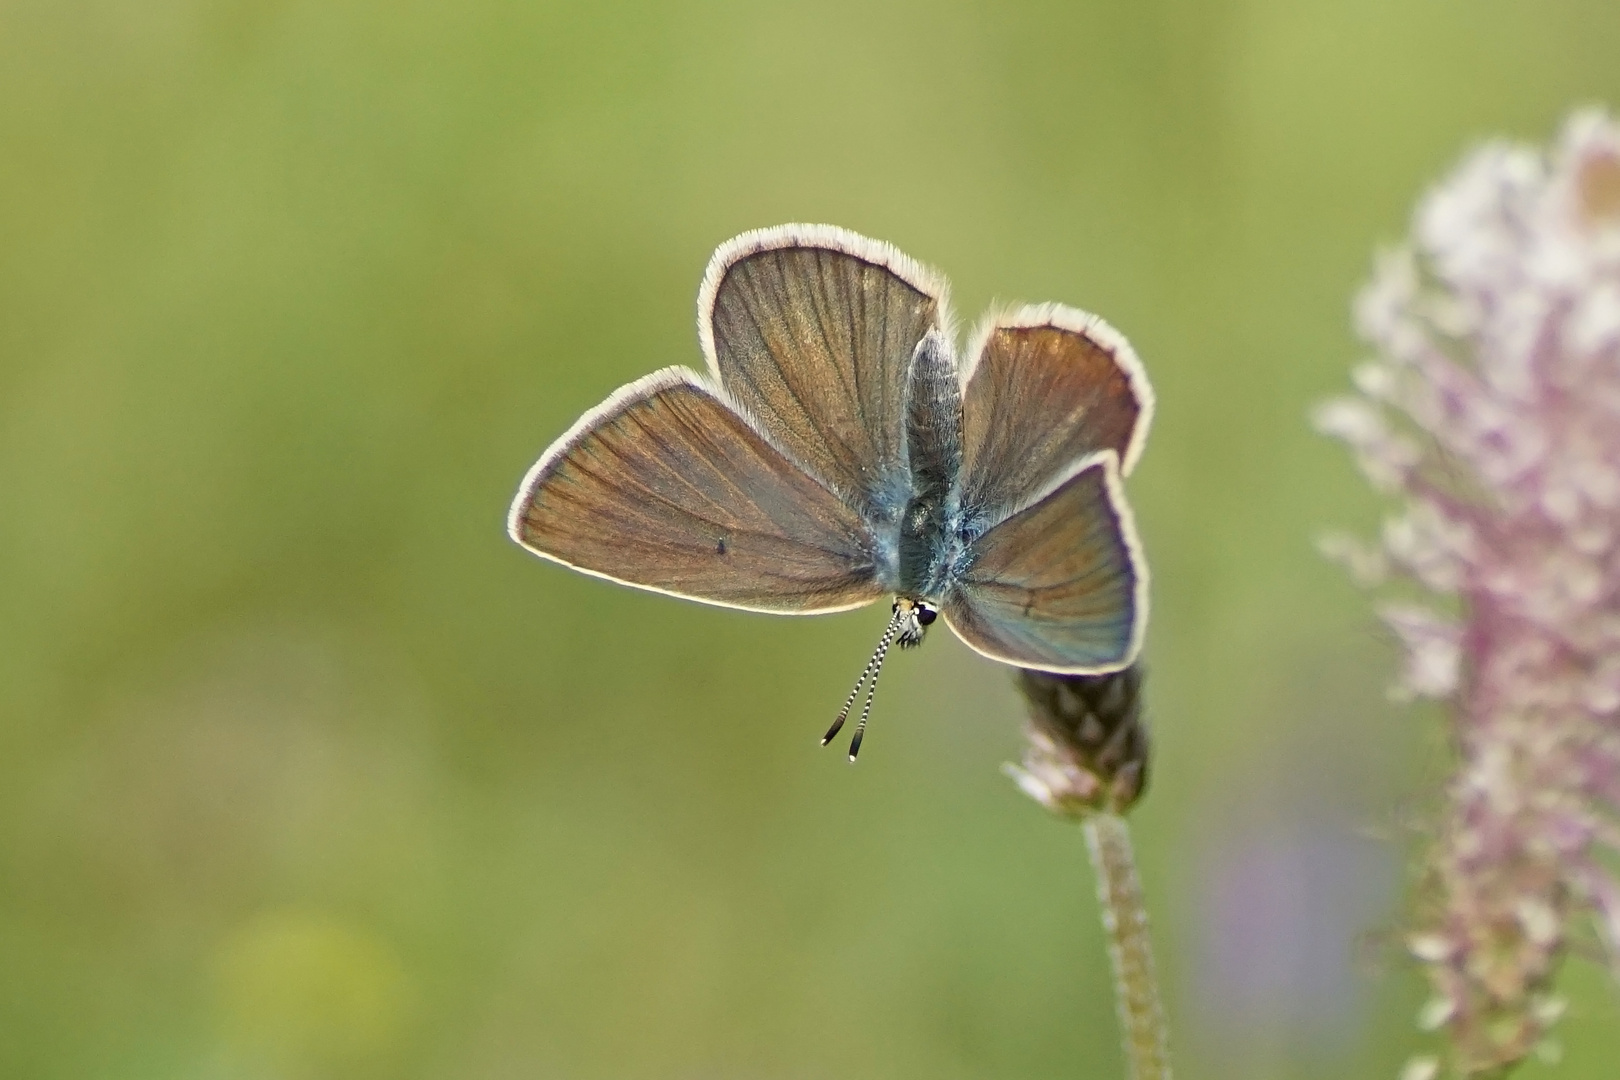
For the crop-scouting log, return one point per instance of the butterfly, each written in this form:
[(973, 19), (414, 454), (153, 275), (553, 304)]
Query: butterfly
[(838, 450)]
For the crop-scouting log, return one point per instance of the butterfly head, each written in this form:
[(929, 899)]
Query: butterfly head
[(911, 620)]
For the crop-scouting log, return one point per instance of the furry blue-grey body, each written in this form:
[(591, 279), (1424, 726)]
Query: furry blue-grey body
[(917, 517), (930, 545)]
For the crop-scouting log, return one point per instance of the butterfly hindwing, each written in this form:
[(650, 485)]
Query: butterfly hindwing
[(666, 487), (1060, 585)]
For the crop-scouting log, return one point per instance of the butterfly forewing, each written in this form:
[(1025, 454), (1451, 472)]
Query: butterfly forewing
[(811, 331), (664, 486), (1050, 385), (1060, 585)]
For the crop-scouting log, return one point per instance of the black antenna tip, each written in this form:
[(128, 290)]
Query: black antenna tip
[(832, 731), (855, 744)]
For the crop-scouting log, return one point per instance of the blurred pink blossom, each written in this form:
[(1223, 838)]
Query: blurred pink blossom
[(1492, 411)]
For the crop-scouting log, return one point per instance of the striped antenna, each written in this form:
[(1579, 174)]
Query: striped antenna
[(873, 667), (871, 689)]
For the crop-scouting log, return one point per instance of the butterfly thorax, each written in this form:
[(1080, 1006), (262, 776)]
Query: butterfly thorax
[(929, 548)]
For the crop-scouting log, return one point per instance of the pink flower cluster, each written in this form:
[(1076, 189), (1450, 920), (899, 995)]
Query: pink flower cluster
[(1492, 410)]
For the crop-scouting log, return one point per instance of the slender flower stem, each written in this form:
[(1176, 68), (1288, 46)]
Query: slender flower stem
[(1136, 988), (1087, 760)]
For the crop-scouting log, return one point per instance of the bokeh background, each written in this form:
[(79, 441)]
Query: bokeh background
[(307, 772)]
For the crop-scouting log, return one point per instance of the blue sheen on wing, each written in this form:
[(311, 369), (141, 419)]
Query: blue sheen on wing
[(1060, 585), (810, 330)]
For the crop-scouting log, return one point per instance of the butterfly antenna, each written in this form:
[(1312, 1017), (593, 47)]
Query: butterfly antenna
[(869, 672), (871, 690)]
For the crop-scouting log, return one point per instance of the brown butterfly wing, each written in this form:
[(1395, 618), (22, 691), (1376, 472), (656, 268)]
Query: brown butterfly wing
[(665, 487)]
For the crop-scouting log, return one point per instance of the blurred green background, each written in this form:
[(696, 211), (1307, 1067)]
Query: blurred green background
[(307, 772)]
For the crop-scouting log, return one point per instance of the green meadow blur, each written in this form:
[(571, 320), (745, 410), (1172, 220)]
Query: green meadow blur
[(307, 772)]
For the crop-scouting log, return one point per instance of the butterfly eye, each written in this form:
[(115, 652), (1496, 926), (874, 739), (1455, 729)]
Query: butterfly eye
[(926, 615)]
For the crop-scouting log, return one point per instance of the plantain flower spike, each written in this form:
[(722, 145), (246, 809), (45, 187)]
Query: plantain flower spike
[(1491, 414)]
